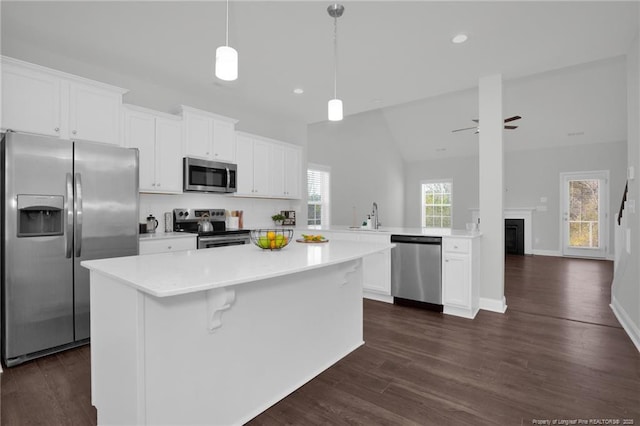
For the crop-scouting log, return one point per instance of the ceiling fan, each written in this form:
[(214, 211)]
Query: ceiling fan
[(477, 127)]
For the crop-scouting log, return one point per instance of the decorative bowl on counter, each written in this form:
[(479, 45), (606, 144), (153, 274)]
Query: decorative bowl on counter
[(271, 239)]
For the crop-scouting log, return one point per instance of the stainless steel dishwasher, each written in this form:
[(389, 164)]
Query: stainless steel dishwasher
[(416, 271)]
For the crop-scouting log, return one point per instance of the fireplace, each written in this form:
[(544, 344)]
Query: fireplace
[(514, 236), (525, 214)]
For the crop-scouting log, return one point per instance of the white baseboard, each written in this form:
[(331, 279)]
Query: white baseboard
[(376, 296), (554, 253), (493, 305), (632, 329)]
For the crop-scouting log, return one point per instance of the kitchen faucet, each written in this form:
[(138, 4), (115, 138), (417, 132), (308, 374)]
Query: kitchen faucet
[(374, 214)]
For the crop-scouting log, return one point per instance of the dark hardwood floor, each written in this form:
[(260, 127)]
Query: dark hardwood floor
[(558, 353)]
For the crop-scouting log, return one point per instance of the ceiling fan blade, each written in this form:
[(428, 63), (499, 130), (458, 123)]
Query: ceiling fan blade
[(476, 120), (510, 127), (466, 128), (514, 118)]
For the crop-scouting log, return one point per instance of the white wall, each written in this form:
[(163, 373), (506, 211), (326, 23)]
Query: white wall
[(365, 167), (625, 291), (464, 173), (533, 174), (529, 175)]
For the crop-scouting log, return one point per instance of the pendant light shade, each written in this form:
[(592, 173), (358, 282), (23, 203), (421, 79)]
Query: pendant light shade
[(335, 110), (227, 58), (226, 63), (335, 105)]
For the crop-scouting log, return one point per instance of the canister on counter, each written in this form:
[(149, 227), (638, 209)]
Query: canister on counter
[(168, 222)]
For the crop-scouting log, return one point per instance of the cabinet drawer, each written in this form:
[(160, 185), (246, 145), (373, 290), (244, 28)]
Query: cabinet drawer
[(167, 245), (456, 245)]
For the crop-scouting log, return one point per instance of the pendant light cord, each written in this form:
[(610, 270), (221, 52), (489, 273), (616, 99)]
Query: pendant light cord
[(227, 31), (335, 57)]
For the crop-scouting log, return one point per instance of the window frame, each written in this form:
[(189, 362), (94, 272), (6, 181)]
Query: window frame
[(423, 204), (325, 204)]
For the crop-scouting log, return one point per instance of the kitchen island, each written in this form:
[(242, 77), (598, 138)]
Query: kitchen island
[(217, 336)]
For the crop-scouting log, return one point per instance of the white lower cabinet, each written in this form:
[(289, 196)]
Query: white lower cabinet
[(164, 245), (376, 267), (460, 276)]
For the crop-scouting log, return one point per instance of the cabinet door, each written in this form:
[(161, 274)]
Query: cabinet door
[(94, 114), (261, 167), (224, 141), (199, 135), (278, 166), (244, 160), (292, 160), (139, 132), (166, 245), (168, 155), (376, 268), (456, 280), (30, 101)]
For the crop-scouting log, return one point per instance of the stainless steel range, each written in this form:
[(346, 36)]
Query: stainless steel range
[(192, 220)]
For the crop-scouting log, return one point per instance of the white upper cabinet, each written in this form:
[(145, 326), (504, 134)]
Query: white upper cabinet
[(267, 168), (40, 100), (158, 138), (94, 113), (285, 170), (30, 101), (208, 136), (292, 163), (252, 157)]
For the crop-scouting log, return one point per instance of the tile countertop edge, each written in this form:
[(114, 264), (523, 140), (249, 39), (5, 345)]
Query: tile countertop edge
[(116, 268), (430, 232)]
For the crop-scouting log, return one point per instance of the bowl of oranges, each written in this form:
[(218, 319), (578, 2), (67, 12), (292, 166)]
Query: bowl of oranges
[(271, 239)]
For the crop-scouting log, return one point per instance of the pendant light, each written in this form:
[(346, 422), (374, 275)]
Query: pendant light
[(335, 105), (227, 58)]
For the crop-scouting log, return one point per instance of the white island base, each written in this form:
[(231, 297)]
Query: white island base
[(218, 356)]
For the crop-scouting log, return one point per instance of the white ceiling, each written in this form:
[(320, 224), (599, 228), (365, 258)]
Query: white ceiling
[(390, 52)]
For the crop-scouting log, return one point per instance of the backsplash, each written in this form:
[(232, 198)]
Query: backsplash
[(257, 211)]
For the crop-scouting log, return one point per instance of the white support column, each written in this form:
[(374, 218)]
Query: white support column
[(491, 194)]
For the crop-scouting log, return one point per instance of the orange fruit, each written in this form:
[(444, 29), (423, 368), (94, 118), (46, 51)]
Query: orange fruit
[(273, 244), (271, 235)]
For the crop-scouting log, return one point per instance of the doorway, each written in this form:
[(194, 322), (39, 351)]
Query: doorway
[(584, 221)]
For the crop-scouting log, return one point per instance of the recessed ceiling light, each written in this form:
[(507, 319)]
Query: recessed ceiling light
[(460, 38), (441, 149), (298, 91)]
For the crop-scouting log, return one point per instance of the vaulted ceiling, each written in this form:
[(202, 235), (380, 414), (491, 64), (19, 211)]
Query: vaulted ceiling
[(390, 52)]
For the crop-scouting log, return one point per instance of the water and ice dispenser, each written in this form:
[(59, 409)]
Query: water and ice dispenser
[(40, 215)]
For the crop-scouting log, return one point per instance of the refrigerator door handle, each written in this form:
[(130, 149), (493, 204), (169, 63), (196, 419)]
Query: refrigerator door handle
[(78, 212), (68, 211)]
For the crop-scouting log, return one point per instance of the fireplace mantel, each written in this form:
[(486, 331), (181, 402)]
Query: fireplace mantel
[(525, 213)]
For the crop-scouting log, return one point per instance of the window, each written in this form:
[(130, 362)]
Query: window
[(318, 194), (436, 203)]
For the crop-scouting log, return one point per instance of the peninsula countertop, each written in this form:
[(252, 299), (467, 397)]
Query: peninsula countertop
[(389, 230), (182, 272)]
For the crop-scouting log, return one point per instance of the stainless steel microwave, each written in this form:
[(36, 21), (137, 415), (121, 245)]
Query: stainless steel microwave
[(209, 176)]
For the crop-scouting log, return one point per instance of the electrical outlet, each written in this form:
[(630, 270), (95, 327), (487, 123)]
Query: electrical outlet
[(631, 205), (543, 199), (541, 208)]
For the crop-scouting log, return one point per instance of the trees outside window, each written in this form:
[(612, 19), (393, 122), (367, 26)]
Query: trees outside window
[(436, 201)]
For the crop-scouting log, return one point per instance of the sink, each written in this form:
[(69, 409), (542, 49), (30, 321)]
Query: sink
[(357, 228)]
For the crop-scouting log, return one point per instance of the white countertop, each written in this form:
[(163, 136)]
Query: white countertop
[(388, 230), (181, 272), (166, 235)]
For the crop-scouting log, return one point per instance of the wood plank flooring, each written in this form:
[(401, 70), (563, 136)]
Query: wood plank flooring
[(558, 353)]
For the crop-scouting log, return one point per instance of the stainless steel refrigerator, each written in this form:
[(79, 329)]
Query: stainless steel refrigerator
[(63, 202)]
